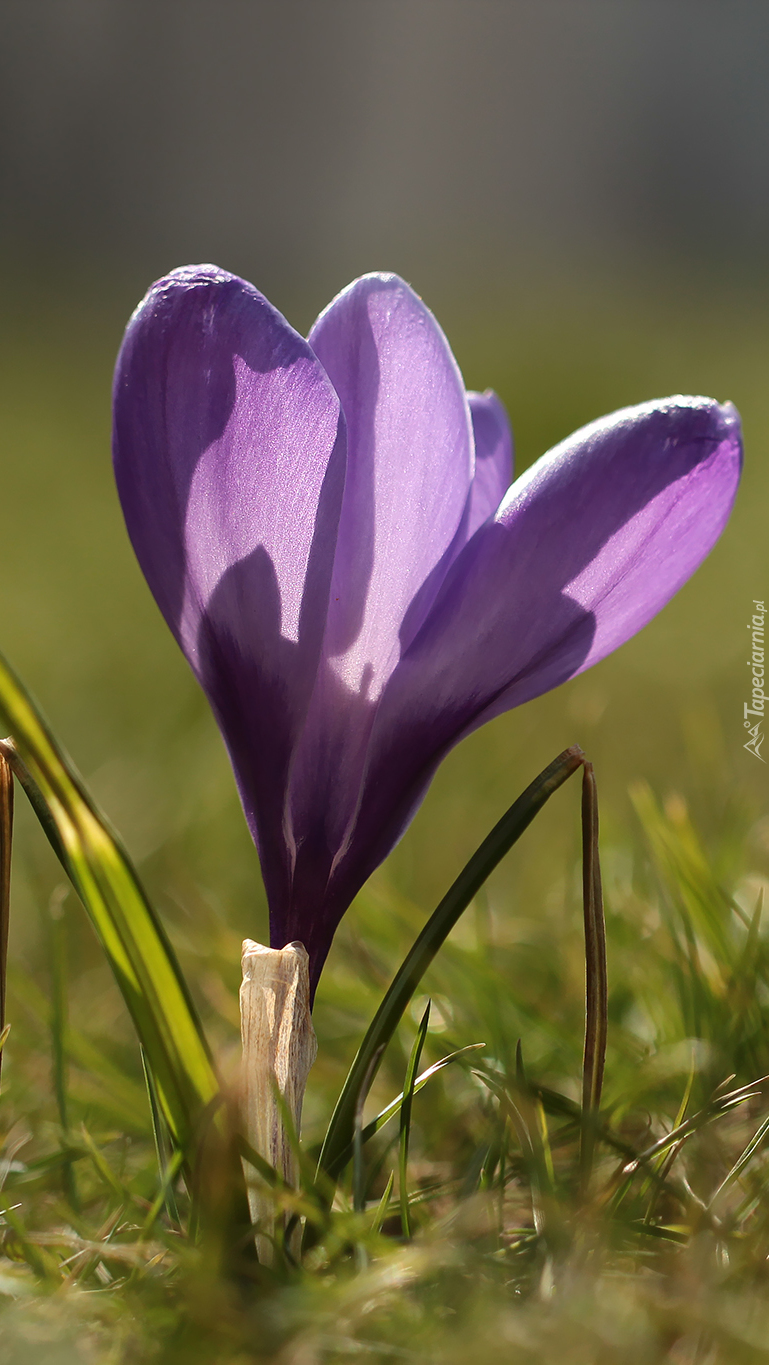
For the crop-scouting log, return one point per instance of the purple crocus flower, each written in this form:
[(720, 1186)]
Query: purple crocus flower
[(328, 528)]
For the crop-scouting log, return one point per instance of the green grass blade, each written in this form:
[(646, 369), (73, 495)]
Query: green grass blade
[(358, 1174), (742, 1161), (494, 847), (718, 1105), (165, 1152), (393, 1107), (384, 1205), (135, 943), (663, 1164), (119, 1096), (405, 1133), (164, 1197)]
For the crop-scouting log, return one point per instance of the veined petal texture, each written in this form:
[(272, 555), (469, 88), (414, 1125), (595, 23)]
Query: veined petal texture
[(585, 549), (229, 453), (409, 467), (409, 473)]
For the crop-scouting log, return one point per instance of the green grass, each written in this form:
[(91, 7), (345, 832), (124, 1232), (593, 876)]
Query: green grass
[(510, 1256)]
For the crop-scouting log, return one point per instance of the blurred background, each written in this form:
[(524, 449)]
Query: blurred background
[(302, 141), (580, 191)]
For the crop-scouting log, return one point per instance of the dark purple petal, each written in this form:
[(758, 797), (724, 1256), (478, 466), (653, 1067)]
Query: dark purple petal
[(409, 470), (229, 457), (588, 545), (493, 457)]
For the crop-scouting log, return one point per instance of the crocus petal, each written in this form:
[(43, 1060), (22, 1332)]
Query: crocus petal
[(229, 456), (493, 458), (588, 545), (409, 470)]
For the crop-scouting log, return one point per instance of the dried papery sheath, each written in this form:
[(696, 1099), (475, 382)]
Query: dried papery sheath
[(279, 1047)]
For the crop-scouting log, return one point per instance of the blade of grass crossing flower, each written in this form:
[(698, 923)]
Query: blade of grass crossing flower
[(127, 926), (405, 1130), (438, 927), (596, 984)]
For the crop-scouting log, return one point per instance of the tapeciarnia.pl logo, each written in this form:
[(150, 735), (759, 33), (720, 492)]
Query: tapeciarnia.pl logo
[(755, 707)]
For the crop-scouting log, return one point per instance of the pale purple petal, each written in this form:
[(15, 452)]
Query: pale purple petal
[(585, 549), (493, 458), (229, 458), (409, 466), (409, 470)]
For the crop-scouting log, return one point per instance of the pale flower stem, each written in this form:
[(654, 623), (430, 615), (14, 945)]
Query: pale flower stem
[(279, 1047)]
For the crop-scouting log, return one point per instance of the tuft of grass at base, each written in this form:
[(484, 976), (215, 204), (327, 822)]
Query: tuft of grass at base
[(662, 1258)]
